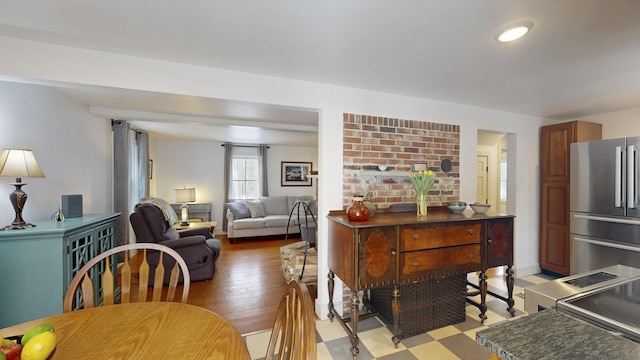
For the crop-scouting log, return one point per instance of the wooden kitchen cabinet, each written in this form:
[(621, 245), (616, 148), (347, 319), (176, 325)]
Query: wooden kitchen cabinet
[(394, 250), (555, 249)]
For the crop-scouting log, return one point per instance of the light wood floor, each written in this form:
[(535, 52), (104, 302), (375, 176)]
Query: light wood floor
[(247, 285)]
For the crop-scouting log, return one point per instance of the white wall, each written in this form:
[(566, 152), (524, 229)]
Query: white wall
[(196, 164), (53, 63), (618, 124), (72, 148), (276, 155), (200, 164)]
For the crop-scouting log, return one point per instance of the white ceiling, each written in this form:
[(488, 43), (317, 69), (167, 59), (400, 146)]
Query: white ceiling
[(580, 58)]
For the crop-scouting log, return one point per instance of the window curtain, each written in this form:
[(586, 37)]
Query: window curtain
[(144, 175), (228, 173), (262, 156), (120, 131)]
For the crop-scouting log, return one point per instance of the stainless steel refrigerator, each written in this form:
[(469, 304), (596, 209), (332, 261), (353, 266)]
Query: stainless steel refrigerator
[(605, 214)]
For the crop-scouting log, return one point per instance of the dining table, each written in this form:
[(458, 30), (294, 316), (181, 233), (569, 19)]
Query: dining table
[(143, 330)]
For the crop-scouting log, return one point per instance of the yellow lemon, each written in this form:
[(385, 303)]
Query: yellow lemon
[(39, 347)]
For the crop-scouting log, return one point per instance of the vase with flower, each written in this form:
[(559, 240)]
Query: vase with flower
[(422, 182)]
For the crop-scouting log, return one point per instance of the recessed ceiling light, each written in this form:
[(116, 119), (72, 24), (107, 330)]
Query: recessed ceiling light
[(514, 31)]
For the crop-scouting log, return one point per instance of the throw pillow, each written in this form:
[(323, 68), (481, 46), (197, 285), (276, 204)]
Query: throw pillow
[(239, 209), (302, 208), (313, 205), (256, 208)]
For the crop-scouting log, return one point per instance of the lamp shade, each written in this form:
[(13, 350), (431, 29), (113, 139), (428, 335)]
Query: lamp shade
[(185, 195), (19, 163)]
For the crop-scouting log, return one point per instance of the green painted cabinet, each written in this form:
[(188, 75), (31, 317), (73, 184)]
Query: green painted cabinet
[(38, 263)]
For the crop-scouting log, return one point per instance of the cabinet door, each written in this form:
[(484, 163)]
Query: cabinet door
[(377, 256), (554, 228), (554, 151), (499, 242), (84, 246)]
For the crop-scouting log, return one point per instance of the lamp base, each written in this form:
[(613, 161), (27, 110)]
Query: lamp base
[(18, 199), (184, 219), (18, 226)]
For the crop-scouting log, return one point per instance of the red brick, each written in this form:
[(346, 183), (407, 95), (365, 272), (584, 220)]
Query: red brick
[(354, 140)]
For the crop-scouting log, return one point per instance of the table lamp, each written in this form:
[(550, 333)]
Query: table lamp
[(18, 163), (184, 196)]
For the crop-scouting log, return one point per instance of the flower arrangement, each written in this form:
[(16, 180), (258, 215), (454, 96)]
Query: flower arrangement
[(422, 182)]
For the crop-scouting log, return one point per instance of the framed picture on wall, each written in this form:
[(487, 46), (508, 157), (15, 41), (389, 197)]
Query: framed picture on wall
[(420, 167), (295, 173)]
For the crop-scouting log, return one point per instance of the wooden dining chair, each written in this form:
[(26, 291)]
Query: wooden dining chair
[(293, 335), (107, 285)]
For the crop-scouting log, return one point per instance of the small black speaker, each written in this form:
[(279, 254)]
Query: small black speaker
[(72, 206)]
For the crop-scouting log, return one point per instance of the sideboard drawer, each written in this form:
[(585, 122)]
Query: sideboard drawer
[(419, 237), (419, 264)]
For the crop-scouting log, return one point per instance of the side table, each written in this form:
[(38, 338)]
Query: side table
[(210, 224)]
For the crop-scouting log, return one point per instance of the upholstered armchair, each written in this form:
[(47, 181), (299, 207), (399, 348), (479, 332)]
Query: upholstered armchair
[(199, 248)]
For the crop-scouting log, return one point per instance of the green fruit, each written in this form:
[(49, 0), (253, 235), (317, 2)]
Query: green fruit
[(38, 329), (3, 356), (6, 342)]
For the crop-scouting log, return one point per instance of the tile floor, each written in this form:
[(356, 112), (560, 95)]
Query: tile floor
[(450, 342)]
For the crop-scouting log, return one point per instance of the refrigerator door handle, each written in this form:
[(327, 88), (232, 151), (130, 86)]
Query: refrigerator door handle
[(625, 220), (632, 201), (607, 244), (618, 178)]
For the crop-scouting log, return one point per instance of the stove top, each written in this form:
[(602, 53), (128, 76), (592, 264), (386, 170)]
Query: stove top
[(546, 295), (593, 279), (615, 307)]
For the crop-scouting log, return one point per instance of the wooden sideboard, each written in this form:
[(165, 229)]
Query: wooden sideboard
[(402, 248), (38, 263)]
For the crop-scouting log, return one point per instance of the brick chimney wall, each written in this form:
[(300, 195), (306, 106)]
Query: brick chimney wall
[(370, 141)]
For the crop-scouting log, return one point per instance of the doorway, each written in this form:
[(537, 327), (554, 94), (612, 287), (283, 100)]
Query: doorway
[(482, 177), (492, 169)]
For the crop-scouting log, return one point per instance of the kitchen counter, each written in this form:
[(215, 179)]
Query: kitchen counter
[(551, 334)]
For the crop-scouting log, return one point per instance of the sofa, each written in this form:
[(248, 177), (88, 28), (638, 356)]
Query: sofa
[(268, 216)]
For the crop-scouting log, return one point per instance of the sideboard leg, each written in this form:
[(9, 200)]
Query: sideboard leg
[(355, 313), (483, 296), (395, 309), (330, 285), (510, 283)]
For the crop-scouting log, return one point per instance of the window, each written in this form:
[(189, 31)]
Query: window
[(503, 176), (245, 183)]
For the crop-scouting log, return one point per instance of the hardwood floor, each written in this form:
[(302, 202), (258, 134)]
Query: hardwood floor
[(248, 283)]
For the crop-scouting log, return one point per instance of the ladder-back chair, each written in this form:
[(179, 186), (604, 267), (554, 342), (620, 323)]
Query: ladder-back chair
[(106, 286), (294, 329)]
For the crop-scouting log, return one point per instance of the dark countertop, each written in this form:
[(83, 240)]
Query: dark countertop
[(409, 218), (551, 334)]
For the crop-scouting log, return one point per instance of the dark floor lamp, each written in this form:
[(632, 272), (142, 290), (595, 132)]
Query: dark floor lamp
[(18, 163)]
